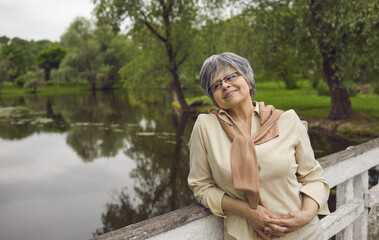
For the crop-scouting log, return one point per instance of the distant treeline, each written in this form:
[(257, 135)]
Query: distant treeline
[(164, 43)]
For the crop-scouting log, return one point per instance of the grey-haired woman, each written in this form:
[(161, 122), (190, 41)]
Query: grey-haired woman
[(253, 164)]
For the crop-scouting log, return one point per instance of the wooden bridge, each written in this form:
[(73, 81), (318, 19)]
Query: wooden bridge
[(356, 216)]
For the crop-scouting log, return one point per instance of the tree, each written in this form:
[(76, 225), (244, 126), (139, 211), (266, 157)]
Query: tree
[(346, 34), (4, 67), (14, 61), (274, 25), (4, 40), (50, 58), (171, 23), (335, 38), (94, 53), (34, 79), (83, 50)]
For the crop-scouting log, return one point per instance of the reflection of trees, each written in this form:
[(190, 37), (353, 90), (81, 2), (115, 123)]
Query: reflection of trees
[(21, 117), (325, 145), (115, 218), (95, 141), (98, 123), (161, 173)]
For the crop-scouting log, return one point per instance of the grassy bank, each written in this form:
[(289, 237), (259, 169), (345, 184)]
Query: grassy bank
[(53, 89), (315, 109)]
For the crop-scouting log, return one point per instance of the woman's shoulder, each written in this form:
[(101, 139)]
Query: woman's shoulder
[(289, 114), (290, 117), (205, 119), (291, 120)]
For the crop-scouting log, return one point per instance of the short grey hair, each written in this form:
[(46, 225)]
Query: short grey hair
[(219, 62)]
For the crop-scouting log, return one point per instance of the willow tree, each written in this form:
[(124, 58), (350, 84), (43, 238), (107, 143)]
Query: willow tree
[(346, 34), (168, 21)]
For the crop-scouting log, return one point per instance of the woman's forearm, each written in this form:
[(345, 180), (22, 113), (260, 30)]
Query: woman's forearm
[(232, 206), (309, 206)]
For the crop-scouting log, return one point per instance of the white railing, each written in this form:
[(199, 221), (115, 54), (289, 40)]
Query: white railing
[(348, 170)]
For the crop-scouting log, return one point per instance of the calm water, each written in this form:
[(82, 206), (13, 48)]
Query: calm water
[(75, 165)]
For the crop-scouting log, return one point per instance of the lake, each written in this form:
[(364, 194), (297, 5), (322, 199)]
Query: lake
[(76, 165)]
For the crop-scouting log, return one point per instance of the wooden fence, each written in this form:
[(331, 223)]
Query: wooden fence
[(356, 216)]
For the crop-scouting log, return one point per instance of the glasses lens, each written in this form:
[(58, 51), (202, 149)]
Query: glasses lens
[(216, 86), (231, 77)]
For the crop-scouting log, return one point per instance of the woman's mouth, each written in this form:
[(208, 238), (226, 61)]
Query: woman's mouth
[(229, 94)]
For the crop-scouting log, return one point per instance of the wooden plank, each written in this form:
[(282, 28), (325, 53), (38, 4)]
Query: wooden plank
[(342, 217), (157, 225), (373, 223), (350, 152), (360, 187), (349, 168), (372, 196)]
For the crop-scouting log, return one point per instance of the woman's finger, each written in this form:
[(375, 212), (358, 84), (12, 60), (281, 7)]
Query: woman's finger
[(278, 230), (262, 235), (255, 235), (280, 221), (271, 215)]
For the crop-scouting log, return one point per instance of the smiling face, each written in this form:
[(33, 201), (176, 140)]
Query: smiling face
[(232, 94)]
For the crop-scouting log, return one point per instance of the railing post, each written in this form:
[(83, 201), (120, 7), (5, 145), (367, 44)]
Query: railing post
[(345, 193), (360, 187)]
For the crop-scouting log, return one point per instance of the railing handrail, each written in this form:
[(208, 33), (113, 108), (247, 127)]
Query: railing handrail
[(350, 152), (180, 217)]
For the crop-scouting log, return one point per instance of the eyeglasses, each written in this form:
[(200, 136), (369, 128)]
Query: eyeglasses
[(228, 79)]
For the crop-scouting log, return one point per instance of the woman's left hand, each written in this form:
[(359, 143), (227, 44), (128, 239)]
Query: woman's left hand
[(292, 221), (297, 219)]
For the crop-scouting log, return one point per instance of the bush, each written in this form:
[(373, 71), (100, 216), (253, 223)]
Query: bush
[(351, 89), (376, 89), (323, 89), (20, 81)]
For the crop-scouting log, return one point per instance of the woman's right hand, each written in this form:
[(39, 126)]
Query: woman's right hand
[(259, 220)]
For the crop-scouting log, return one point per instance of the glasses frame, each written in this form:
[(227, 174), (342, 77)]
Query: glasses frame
[(224, 79)]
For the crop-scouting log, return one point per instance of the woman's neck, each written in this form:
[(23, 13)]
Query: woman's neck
[(241, 113)]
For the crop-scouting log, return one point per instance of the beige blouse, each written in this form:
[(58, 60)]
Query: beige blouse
[(287, 166)]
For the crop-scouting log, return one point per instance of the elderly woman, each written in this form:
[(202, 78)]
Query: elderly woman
[(253, 164)]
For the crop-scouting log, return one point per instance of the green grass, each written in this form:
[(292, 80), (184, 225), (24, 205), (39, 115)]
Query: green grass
[(305, 100)]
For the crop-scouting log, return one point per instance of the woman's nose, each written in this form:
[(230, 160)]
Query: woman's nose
[(225, 85)]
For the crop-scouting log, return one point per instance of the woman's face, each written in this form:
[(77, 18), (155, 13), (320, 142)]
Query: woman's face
[(233, 93)]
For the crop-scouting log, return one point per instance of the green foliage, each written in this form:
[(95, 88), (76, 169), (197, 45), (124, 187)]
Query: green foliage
[(274, 24), (323, 89), (351, 89), (17, 56), (168, 25), (34, 79), (14, 61), (93, 53), (48, 59), (376, 89), (83, 51), (20, 81), (4, 40)]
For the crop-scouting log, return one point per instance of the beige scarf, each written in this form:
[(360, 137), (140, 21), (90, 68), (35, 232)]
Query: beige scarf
[(243, 158)]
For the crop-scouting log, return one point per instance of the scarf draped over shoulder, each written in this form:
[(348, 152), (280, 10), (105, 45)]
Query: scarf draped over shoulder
[(243, 157)]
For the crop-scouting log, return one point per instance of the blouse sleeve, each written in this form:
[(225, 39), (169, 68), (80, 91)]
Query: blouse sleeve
[(309, 171), (200, 178)]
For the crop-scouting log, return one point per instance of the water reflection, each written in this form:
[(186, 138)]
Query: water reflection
[(93, 146), (160, 174), (153, 136)]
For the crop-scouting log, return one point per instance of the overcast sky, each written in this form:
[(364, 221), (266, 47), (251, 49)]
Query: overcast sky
[(40, 19)]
